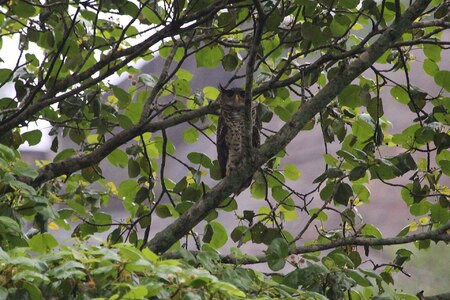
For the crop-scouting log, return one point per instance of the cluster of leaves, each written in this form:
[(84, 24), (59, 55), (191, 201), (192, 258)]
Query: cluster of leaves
[(289, 52), (335, 274), (124, 272)]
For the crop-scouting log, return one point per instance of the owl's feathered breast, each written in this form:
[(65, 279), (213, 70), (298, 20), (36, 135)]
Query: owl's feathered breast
[(230, 133)]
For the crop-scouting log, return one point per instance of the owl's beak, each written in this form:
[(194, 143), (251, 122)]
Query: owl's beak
[(237, 99)]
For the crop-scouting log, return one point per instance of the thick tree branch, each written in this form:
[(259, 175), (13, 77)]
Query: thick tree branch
[(164, 239), (77, 163)]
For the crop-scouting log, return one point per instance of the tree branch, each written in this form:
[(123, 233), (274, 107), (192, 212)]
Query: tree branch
[(443, 296), (172, 233), (173, 29), (436, 235), (256, 42), (77, 163)]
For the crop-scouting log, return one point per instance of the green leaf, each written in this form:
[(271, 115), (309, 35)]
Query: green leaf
[(184, 74), (209, 56), (9, 226), (330, 160), (274, 20), (343, 193), (359, 278), (150, 16), (128, 188), (363, 128), (163, 211), (102, 219), (123, 97), (321, 216), (238, 233), (276, 254), (372, 231), (439, 214), (42, 243), (219, 235), (136, 292), (350, 4), (230, 62), (443, 160), (371, 274), (118, 158), (291, 172), (423, 244), (211, 92), (182, 87), (70, 269), (433, 52), (442, 78), (134, 168), (430, 67), (33, 137), (375, 108), (357, 173), (66, 153), (190, 135), (350, 96), (229, 289), (280, 194), (424, 134), (258, 190), (327, 192), (361, 192), (341, 259), (200, 159), (25, 171), (404, 296), (4, 74), (29, 275), (3, 255), (339, 25), (23, 9), (420, 209), (7, 153), (129, 252), (400, 94), (442, 10), (310, 32), (305, 276)]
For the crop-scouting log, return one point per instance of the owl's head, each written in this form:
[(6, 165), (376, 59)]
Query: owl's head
[(234, 97)]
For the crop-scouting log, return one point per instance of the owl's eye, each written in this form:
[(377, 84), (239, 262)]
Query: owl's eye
[(242, 93)]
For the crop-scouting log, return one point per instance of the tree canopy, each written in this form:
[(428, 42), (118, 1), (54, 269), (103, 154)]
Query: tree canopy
[(311, 65)]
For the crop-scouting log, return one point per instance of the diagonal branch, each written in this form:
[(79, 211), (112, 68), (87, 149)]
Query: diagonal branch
[(180, 227), (76, 163)]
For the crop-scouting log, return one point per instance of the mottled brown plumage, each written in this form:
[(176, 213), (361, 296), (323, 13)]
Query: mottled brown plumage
[(230, 131)]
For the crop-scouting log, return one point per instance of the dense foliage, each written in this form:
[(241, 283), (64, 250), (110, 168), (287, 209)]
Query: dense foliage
[(302, 61)]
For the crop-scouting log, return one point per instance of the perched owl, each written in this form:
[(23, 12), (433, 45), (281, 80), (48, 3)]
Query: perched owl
[(231, 128)]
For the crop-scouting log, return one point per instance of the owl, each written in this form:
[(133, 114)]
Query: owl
[(230, 131)]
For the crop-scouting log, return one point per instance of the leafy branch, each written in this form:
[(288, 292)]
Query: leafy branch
[(165, 238), (436, 235)]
